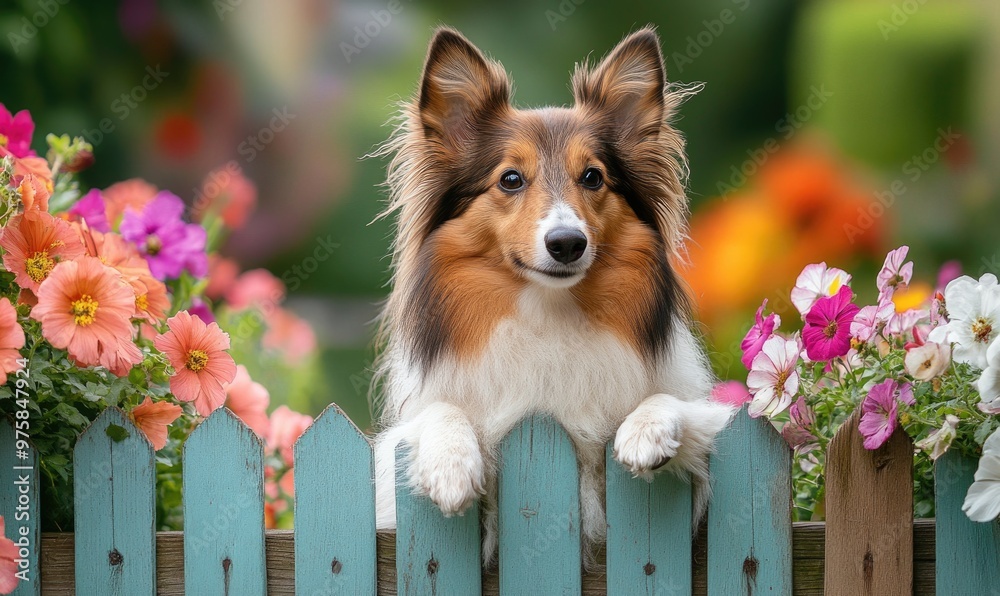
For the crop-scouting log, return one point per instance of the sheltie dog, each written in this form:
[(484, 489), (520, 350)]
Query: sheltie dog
[(533, 273)]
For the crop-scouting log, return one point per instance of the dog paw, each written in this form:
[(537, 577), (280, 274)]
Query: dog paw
[(645, 443), (452, 475)]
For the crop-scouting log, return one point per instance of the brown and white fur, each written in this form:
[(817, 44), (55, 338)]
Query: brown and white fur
[(485, 326)]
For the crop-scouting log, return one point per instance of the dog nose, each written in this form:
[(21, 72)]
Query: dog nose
[(565, 244)]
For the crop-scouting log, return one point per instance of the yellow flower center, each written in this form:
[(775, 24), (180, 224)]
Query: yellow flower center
[(982, 329), (38, 266), (83, 310), (779, 385), (153, 245), (830, 331), (141, 302), (196, 360), (3, 140)]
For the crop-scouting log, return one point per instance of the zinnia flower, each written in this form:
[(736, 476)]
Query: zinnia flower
[(762, 329), (286, 428), (982, 503), (8, 561), (91, 209), (938, 442), (927, 361), (35, 243), (827, 332), (871, 320), (817, 281), (11, 340), (773, 380), (249, 400), (169, 245), (895, 275), (153, 418), (198, 354), (733, 393), (974, 312), (84, 308), (15, 132), (989, 381), (878, 411)]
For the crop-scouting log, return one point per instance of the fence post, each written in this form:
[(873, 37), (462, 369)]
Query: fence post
[(649, 533), (114, 499), (539, 511), (967, 553), (869, 514), (750, 515), (334, 508), (434, 554), (19, 506), (224, 509)]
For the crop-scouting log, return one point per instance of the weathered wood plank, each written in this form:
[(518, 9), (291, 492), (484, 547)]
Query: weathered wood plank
[(869, 510), (750, 516), (649, 533), (224, 508), (114, 499), (335, 536), (19, 499), (968, 553), (539, 511), (435, 554)]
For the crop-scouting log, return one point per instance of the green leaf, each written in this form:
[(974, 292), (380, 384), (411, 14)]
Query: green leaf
[(984, 430), (117, 433)]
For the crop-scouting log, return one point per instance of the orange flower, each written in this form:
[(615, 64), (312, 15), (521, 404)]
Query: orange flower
[(35, 243), (11, 340), (128, 194), (198, 354), (222, 273), (249, 400), (286, 428), (84, 308), (8, 562), (153, 418), (34, 193), (151, 301)]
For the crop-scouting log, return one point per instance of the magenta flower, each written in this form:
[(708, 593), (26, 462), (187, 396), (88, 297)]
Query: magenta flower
[(169, 245), (895, 274), (878, 411), (91, 210), (796, 432), (762, 329), (827, 332), (733, 393), (15, 132)]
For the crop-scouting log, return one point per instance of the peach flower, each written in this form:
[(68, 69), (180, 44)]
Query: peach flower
[(84, 308), (222, 273), (11, 340), (226, 191), (133, 193), (34, 193), (249, 400), (151, 301), (257, 287), (153, 418), (288, 334), (35, 243), (8, 562), (198, 354), (286, 427)]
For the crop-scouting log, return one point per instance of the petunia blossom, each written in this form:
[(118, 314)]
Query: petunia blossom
[(169, 245), (982, 502), (762, 329), (895, 274), (35, 242), (878, 411), (91, 209), (11, 340), (16, 131), (8, 561), (153, 418), (938, 442), (974, 313), (827, 332), (773, 380), (201, 363), (796, 431), (989, 382), (249, 399), (871, 320), (817, 281), (927, 361), (733, 393)]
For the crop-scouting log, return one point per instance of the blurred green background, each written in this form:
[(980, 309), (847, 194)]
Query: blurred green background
[(809, 108)]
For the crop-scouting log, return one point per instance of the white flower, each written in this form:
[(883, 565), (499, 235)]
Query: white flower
[(895, 275), (940, 440), (925, 362), (989, 382), (773, 380), (982, 503), (974, 313), (817, 281)]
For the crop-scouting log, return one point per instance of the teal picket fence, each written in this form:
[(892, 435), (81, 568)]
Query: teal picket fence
[(747, 545)]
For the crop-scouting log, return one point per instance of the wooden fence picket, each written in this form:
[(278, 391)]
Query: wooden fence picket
[(334, 508), (967, 553), (649, 533), (114, 498), (224, 509), (19, 503), (539, 511), (869, 512), (750, 516), (434, 554)]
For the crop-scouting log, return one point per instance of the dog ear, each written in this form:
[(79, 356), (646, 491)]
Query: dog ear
[(627, 86), (460, 89)]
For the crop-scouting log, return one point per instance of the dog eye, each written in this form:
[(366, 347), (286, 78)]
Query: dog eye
[(592, 178), (511, 180)]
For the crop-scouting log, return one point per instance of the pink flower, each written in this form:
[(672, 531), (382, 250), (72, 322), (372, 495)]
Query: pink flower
[(902, 323), (827, 332), (289, 335), (733, 393), (949, 271), (762, 329), (286, 428), (16, 131), (895, 274), (878, 411), (773, 380), (91, 209), (227, 192), (8, 562), (817, 281), (249, 400), (796, 432), (257, 287), (198, 354), (222, 274), (11, 340), (153, 418), (871, 320)]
